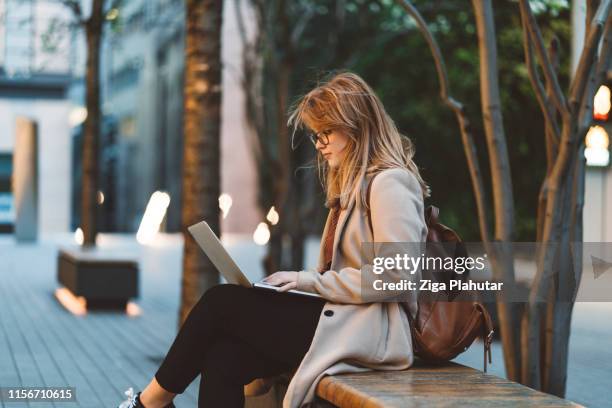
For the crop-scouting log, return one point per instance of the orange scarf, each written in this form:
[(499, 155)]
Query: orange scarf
[(328, 242)]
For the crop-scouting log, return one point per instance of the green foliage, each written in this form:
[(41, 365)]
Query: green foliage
[(378, 41)]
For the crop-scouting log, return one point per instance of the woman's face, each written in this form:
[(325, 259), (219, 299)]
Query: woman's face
[(332, 143)]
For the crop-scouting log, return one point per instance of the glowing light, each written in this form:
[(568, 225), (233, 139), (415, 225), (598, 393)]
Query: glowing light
[(272, 216), (79, 238), (225, 203), (112, 14), (596, 151), (153, 217), (77, 116), (132, 309), (77, 305), (100, 197), (601, 103), (261, 236)]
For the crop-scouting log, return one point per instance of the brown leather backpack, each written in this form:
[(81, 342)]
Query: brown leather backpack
[(444, 329)]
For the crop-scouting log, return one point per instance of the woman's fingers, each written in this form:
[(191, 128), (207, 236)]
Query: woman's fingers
[(275, 278), (282, 277), (287, 286)]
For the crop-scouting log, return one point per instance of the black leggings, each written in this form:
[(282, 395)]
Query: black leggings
[(234, 335)]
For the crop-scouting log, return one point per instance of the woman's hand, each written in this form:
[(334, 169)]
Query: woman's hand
[(283, 280)]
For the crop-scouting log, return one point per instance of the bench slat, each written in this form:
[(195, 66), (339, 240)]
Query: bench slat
[(451, 385)]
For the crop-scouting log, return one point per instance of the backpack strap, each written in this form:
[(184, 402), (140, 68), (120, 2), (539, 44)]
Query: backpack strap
[(488, 330), (431, 215)]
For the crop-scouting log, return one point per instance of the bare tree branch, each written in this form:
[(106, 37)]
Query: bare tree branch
[(552, 128), (549, 74), (556, 192), (553, 133), (240, 23), (458, 109), (605, 56), (75, 7), (589, 52), (538, 88), (300, 26), (552, 136), (503, 201), (585, 114), (503, 266), (591, 7)]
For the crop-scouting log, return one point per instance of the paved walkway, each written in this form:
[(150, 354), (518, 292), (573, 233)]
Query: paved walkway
[(103, 354)]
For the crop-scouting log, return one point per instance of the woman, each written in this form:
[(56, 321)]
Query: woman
[(235, 335)]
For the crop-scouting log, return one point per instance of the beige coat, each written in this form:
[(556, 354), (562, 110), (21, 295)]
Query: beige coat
[(361, 336)]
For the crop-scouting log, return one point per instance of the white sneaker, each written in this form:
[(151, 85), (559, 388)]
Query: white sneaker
[(132, 401)]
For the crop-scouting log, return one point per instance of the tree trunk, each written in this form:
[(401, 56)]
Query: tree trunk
[(501, 179), (283, 66), (559, 317), (202, 118), (91, 134)]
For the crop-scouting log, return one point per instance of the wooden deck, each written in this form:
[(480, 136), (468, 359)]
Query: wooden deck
[(101, 354), (436, 387)]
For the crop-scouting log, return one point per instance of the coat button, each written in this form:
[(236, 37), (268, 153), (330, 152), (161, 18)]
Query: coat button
[(328, 313)]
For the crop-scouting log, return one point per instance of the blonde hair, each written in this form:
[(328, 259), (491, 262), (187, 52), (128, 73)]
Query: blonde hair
[(346, 102)]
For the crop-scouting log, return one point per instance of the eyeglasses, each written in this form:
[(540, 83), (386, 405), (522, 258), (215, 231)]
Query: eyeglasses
[(321, 137)]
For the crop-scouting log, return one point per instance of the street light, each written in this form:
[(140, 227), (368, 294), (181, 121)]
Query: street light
[(78, 236), (153, 217), (261, 236), (597, 142), (272, 216), (601, 104), (77, 116), (225, 203)]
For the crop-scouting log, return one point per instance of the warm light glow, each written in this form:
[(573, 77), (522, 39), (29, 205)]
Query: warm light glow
[(153, 217), (261, 236), (79, 238), (77, 305), (225, 203), (601, 103), (112, 14), (77, 116), (597, 137), (272, 216), (596, 151), (132, 309), (100, 197)]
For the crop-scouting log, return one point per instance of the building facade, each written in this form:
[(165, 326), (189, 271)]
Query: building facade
[(143, 94), (41, 77), (36, 70)]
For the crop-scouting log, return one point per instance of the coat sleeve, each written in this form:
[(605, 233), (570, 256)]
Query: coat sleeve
[(396, 203)]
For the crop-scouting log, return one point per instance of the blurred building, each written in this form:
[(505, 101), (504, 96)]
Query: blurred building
[(143, 103), (36, 69), (41, 77)]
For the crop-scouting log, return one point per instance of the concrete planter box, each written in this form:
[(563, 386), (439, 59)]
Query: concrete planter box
[(105, 279)]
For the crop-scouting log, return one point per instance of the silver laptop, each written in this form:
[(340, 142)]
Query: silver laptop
[(210, 244)]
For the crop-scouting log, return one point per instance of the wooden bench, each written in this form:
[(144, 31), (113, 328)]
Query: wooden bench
[(422, 385)]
